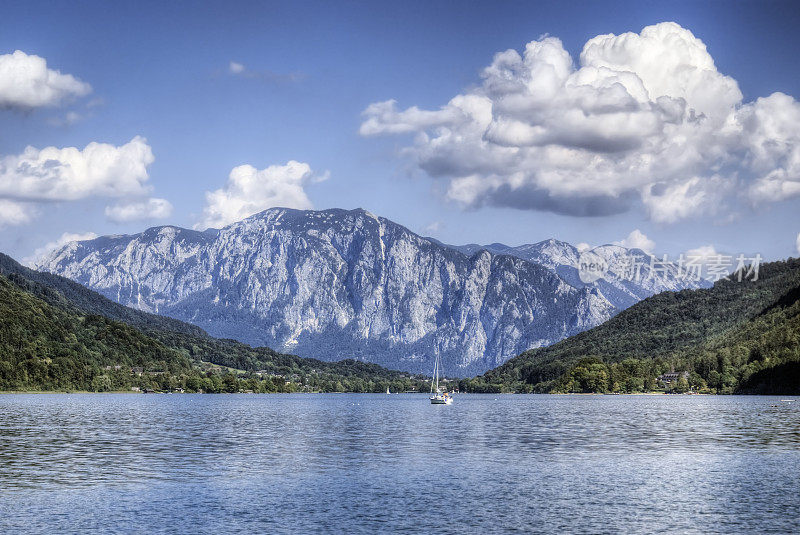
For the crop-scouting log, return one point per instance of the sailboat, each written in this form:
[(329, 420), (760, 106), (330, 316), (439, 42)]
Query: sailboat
[(437, 396)]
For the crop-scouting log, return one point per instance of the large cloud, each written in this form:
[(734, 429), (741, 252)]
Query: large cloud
[(27, 83), (643, 118), (250, 190), (55, 174), (65, 174)]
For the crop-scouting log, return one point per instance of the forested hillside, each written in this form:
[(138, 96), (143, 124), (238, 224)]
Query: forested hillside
[(43, 347), (735, 337), (57, 335), (64, 293)]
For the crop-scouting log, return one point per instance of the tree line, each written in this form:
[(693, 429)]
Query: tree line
[(737, 337)]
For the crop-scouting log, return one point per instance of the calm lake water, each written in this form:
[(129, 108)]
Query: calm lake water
[(377, 463)]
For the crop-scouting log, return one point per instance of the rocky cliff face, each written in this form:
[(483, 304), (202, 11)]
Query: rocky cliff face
[(624, 284), (338, 284)]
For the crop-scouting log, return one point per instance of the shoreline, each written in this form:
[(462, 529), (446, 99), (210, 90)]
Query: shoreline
[(67, 392)]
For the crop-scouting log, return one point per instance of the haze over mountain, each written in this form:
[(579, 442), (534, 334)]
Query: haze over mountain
[(336, 284)]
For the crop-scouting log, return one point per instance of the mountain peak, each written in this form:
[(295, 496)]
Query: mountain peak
[(335, 284)]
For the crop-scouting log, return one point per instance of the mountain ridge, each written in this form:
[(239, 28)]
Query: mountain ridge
[(738, 336), (337, 284), (55, 334)]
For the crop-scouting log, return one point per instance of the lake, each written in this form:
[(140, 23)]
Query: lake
[(375, 463)]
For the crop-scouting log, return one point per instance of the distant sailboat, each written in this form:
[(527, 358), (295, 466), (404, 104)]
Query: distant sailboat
[(437, 396), (387, 390)]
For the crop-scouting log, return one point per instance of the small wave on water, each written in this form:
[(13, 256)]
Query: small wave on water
[(367, 463)]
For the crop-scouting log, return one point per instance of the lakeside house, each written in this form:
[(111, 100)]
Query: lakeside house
[(667, 379)]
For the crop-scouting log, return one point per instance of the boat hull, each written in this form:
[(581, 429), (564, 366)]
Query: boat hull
[(441, 401)]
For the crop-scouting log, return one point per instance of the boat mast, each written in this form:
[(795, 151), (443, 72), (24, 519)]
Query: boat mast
[(433, 377), (436, 372)]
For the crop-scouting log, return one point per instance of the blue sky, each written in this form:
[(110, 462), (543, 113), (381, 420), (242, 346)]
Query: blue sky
[(163, 71)]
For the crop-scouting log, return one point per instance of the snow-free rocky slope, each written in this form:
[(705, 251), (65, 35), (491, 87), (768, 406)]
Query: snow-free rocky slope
[(617, 286), (337, 284)]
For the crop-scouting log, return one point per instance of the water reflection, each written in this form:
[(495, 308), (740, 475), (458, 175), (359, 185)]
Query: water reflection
[(375, 462)]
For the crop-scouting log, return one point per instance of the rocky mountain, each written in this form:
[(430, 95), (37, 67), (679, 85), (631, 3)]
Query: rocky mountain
[(741, 335), (56, 334), (628, 279), (339, 284)]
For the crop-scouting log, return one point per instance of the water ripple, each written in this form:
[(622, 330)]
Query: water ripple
[(367, 463)]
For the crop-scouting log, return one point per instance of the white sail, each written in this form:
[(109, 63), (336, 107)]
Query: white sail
[(437, 396)]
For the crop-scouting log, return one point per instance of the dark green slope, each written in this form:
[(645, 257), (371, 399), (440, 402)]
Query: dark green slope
[(737, 336), (46, 348), (58, 335), (65, 293)]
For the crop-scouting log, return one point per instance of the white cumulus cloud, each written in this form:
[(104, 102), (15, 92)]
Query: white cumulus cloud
[(249, 190), (142, 210), (640, 119), (15, 213), (64, 174), (638, 240), (58, 243), (53, 174), (26, 83), (703, 252)]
